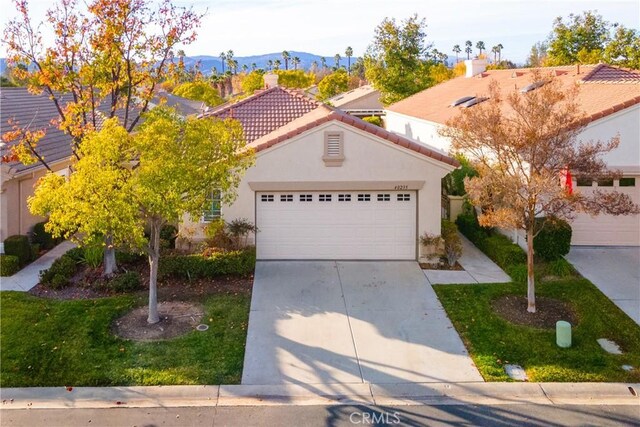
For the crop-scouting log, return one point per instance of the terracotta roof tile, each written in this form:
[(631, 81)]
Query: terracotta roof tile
[(266, 111), (603, 90)]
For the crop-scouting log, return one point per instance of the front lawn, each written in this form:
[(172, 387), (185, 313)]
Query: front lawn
[(494, 342), (47, 342)]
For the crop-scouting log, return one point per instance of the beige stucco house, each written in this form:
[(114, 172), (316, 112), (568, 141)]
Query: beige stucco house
[(609, 96), (327, 185)]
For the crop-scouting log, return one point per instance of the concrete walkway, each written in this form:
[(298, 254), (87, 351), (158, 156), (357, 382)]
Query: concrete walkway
[(327, 322), (29, 276), (478, 268), (615, 271)]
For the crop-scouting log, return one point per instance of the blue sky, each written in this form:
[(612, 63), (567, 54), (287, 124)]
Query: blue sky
[(327, 27)]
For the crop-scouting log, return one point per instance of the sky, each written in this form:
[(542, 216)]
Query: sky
[(327, 27)]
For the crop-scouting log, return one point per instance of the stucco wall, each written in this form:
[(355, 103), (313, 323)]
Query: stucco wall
[(417, 129), (367, 159)]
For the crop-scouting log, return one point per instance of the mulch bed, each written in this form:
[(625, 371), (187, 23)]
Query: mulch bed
[(176, 319), (548, 311)]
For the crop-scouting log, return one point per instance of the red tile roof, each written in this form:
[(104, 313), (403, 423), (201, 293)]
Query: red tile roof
[(325, 114), (266, 111), (603, 90)]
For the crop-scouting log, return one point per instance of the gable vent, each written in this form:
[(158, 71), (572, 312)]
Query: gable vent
[(333, 145)]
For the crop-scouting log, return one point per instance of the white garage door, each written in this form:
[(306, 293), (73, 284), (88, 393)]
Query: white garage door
[(608, 230), (336, 225)]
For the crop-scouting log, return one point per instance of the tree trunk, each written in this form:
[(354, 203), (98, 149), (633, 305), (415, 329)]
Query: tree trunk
[(109, 260), (531, 286), (154, 258)]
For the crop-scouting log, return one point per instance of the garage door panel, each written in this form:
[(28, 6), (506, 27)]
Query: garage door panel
[(337, 229)]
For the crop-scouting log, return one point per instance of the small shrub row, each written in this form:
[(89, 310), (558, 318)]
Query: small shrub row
[(60, 273), (554, 240), (234, 263), (20, 247), (468, 225), (9, 265), (42, 237), (125, 282)]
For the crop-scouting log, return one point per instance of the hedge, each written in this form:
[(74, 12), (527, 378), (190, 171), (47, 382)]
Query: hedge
[(235, 263), (60, 272), (9, 265), (20, 247), (42, 237), (125, 282), (554, 241)]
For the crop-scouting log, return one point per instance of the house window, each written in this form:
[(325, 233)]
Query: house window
[(404, 197), (306, 198), (286, 197), (364, 197), (324, 197), (213, 209), (584, 182), (344, 197), (333, 148), (605, 182), (384, 197), (267, 198), (627, 182)]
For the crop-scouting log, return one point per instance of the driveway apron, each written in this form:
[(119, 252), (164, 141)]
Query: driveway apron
[(323, 322)]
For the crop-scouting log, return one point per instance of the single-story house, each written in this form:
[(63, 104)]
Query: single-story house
[(17, 180), (363, 101), (610, 98), (327, 185)]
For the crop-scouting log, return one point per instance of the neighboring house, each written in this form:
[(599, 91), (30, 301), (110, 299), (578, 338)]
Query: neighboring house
[(326, 185), (18, 180), (360, 102), (609, 96), (185, 107)]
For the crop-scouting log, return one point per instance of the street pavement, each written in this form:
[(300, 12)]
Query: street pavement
[(332, 416)]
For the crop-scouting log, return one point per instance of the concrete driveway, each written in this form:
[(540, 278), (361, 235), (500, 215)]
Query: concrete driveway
[(615, 271), (349, 322)]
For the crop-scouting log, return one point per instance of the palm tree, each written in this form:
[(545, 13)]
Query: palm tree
[(349, 53), (295, 61), (234, 66), (276, 64), (457, 50), (323, 61), (500, 47), (286, 57), (337, 58), (254, 66), (480, 46), (245, 68), (468, 49), (223, 59), (270, 64)]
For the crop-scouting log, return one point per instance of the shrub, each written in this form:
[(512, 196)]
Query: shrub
[(518, 272), (560, 268), (76, 254), (452, 242), (218, 236), (235, 263), (468, 225), (239, 230), (35, 250), (374, 120), (554, 240), (60, 272), (126, 282), (9, 265), (505, 253), (168, 234), (453, 182), (42, 236), (93, 255), (125, 257), (20, 247)]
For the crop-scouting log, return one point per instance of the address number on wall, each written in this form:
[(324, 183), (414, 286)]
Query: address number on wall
[(401, 187)]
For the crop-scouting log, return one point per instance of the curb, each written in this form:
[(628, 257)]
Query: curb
[(474, 393)]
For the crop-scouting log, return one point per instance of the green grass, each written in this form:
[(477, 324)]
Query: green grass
[(69, 343), (493, 341)]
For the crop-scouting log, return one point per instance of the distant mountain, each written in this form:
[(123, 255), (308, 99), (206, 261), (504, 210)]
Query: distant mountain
[(207, 62), (306, 59)]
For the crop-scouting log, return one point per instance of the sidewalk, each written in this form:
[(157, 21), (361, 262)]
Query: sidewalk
[(29, 276), (474, 393), (478, 268)]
